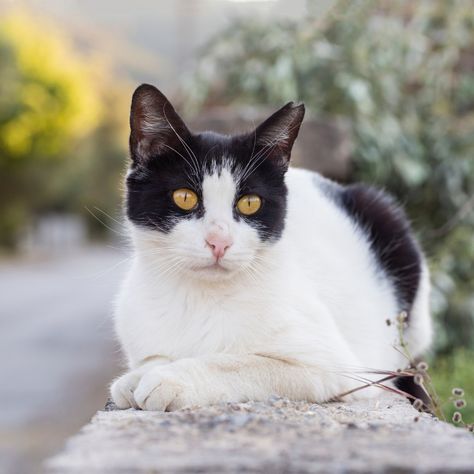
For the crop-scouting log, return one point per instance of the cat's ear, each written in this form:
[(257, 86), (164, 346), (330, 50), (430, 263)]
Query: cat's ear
[(155, 127), (275, 137)]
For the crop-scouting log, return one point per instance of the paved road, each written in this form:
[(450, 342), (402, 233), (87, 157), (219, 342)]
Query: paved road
[(57, 352)]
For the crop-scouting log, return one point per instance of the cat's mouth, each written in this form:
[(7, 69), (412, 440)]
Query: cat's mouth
[(214, 267)]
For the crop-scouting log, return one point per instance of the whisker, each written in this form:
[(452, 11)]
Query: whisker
[(122, 234), (110, 217), (191, 154)]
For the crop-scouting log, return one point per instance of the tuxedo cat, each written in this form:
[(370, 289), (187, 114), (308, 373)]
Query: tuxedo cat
[(252, 278)]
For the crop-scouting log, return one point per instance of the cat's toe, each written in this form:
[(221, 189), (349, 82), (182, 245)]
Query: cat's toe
[(122, 390), (159, 393)]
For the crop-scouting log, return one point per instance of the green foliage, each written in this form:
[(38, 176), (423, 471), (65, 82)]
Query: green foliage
[(46, 99), (447, 373), (56, 113), (402, 72)]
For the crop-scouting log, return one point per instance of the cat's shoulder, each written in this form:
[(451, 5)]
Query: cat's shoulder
[(382, 221)]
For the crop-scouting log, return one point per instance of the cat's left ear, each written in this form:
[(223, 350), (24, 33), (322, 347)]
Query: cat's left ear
[(155, 127), (275, 137)]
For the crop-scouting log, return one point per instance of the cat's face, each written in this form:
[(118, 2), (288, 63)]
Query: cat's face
[(206, 204)]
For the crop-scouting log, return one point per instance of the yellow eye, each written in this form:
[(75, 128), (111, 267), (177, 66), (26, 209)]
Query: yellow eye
[(249, 204), (185, 199)]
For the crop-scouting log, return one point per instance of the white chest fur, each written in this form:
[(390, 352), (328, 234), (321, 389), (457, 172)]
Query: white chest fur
[(180, 319)]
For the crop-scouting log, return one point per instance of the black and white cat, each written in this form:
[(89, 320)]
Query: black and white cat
[(250, 278)]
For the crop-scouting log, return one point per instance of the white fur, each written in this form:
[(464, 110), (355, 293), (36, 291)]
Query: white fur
[(298, 318)]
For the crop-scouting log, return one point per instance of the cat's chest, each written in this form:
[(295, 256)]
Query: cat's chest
[(181, 324)]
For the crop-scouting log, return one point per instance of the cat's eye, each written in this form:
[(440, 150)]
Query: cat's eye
[(185, 199), (249, 204)]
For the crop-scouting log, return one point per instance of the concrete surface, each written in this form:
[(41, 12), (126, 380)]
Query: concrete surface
[(274, 437)]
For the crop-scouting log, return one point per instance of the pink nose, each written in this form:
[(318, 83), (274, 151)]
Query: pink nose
[(218, 245)]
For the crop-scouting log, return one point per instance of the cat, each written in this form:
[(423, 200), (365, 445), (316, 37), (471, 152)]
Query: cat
[(251, 278)]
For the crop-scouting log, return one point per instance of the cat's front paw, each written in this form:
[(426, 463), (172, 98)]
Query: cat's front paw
[(122, 390), (161, 390)]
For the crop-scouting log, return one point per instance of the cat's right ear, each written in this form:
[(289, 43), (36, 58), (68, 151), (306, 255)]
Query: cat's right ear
[(155, 127)]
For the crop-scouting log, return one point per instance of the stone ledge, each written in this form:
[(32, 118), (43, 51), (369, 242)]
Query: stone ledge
[(278, 436)]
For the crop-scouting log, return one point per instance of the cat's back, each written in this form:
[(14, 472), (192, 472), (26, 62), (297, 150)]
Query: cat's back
[(359, 219), (355, 244)]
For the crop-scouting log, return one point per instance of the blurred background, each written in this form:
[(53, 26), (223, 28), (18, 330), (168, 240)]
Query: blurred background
[(389, 89)]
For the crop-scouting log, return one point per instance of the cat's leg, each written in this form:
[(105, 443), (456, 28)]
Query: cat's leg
[(123, 387), (317, 376), (221, 377)]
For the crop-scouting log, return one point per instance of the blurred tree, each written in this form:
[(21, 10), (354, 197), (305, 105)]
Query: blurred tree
[(56, 108), (403, 73)]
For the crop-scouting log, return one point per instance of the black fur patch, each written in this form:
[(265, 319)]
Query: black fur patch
[(390, 238), (407, 385), (150, 187)]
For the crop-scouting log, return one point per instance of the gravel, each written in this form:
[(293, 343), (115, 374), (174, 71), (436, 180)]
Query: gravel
[(278, 436)]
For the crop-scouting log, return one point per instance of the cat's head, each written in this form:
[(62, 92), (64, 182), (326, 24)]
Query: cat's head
[(206, 204)]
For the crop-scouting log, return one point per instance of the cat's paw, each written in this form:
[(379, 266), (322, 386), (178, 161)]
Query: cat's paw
[(122, 390), (161, 390)]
